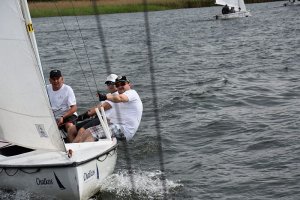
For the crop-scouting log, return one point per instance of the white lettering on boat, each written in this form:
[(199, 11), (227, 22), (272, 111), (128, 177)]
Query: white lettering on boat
[(44, 181), (88, 175)]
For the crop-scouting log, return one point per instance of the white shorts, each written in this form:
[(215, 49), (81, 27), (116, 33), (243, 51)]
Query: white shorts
[(98, 132)]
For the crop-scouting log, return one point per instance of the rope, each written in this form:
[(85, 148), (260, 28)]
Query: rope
[(11, 174), (153, 88), (37, 170), (22, 170), (108, 154), (108, 70), (154, 97), (23, 114), (5, 146), (75, 52), (152, 78), (84, 44), (101, 36)]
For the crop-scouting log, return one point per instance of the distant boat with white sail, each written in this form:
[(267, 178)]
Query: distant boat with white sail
[(232, 9), (292, 3)]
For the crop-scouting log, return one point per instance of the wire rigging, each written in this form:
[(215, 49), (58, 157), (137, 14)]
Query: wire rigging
[(154, 96), (153, 89), (101, 35), (108, 70), (152, 78), (84, 45), (75, 53)]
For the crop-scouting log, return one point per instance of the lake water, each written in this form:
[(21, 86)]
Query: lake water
[(227, 91)]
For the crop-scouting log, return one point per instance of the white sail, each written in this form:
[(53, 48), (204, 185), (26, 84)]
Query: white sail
[(233, 3), (26, 118)]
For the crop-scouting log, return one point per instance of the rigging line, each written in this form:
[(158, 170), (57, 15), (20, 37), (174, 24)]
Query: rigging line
[(129, 166), (23, 114), (75, 53), (84, 44), (24, 171), (108, 70), (101, 35), (12, 173), (5, 146), (154, 96), (70, 30)]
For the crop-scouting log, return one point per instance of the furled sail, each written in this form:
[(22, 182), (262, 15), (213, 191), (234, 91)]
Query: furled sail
[(233, 3), (26, 118)]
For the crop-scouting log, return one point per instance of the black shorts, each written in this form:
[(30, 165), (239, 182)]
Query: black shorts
[(70, 119), (88, 123)]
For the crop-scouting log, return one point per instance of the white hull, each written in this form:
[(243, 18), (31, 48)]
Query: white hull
[(233, 15), (54, 174)]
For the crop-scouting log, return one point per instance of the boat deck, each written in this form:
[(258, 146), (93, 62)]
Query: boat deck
[(80, 153)]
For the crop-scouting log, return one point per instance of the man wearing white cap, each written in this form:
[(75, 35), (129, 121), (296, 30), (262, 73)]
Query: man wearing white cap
[(87, 117)]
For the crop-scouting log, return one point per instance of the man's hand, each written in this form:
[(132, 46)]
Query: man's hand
[(102, 97), (60, 121), (83, 116)]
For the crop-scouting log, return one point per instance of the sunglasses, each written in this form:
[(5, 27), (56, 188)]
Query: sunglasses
[(118, 84), (109, 83)]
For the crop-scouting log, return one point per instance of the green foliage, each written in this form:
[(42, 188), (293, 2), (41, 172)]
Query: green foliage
[(35, 1), (109, 9), (91, 11)]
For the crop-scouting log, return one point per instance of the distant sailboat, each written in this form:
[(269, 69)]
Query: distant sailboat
[(291, 3), (33, 155), (238, 6)]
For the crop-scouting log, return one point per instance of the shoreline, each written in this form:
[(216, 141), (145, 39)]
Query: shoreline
[(86, 7)]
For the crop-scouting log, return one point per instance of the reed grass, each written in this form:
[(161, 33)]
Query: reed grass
[(86, 7), (48, 8)]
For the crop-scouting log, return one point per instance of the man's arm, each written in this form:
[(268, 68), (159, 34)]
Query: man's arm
[(70, 112), (91, 112), (117, 98)]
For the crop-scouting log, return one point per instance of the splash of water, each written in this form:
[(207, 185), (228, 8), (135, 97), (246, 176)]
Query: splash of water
[(148, 185)]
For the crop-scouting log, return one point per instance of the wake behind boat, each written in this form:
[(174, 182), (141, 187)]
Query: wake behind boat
[(33, 155), (235, 9)]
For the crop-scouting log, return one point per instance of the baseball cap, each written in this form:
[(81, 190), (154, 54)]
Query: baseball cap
[(122, 79), (55, 73), (111, 78)]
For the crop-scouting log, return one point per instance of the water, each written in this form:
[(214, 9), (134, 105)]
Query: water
[(228, 97)]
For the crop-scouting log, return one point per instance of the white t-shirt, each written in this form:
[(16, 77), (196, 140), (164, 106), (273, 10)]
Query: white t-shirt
[(128, 114), (61, 100), (112, 104)]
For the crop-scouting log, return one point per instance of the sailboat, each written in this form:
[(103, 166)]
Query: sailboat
[(291, 3), (33, 156), (239, 9)]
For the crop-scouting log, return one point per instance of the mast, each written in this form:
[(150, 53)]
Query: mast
[(30, 30)]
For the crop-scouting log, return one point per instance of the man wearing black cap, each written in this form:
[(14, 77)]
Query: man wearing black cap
[(62, 100), (127, 117)]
